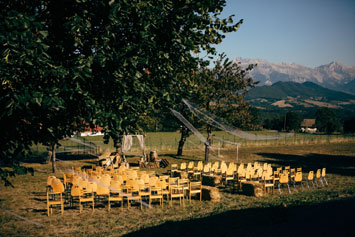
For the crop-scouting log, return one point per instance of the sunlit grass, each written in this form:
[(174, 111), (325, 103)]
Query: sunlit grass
[(27, 199), (168, 141)]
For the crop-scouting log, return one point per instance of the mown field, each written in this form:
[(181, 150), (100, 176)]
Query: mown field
[(309, 212), (168, 141)]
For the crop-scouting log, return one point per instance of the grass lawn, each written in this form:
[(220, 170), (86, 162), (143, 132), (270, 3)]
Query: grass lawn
[(310, 211), (168, 141)]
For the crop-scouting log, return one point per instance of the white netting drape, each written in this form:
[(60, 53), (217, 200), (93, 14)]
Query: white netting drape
[(218, 123), (190, 126)]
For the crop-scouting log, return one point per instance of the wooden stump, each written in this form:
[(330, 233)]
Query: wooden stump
[(211, 180), (153, 164), (252, 189), (211, 194)]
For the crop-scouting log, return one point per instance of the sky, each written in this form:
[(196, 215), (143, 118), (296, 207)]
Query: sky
[(307, 32)]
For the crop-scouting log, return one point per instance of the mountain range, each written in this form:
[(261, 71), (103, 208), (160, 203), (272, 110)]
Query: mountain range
[(334, 75), (299, 95)]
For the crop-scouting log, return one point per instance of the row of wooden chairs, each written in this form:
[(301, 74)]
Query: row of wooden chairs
[(190, 169), (97, 170), (196, 171), (125, 174), (282, 177), (116, 189), (229, 172), (253, 172), (215, 167), (258, 172)]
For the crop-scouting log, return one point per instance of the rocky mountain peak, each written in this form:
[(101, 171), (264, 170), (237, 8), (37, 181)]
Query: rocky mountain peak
[(334, 75)]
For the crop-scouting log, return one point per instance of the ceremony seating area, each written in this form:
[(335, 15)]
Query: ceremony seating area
[(129, 187), (265, 174), (123, 186)]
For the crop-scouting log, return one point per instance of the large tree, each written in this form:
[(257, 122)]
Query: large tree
[(103, 62), (220, 91), (39, 102)]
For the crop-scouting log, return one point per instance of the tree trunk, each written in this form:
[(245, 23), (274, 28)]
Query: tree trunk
[(184, 135), (209, 142), (53, 158), (49, 157), (117, 143), (117, 146)]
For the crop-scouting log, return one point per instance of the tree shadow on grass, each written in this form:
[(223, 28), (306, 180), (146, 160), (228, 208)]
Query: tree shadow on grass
[(71, 157), (39, 193), (41, 200), (42, 159), (43, 210), (182, 158), (329, 219), (34, 159), (41, 197), (335, 164)]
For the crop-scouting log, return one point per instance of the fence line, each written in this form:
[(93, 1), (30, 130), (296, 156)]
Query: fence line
[(170, 141)]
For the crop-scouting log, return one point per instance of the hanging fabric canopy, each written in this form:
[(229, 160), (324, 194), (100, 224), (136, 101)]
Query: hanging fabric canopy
[(141, 141), (128, 141)]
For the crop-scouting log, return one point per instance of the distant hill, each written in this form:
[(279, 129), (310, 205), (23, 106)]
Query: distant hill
[(334, 75), (281, 90), (349, 87), (292, 94)]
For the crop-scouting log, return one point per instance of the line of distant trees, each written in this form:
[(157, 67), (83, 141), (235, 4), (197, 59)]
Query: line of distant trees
[(327, 121)]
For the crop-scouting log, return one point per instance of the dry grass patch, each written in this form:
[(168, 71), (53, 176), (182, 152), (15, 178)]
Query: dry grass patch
[(28, 198)]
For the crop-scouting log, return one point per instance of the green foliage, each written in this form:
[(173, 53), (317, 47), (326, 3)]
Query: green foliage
[(149, 56), (107, 63), (349, 125), (275, 123), (41, 101), (255, 122), (221, 91), (293, 121), (327, 121), (162, 121)]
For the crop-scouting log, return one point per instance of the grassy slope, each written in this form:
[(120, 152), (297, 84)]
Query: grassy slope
[(250, 213), (281, 90)]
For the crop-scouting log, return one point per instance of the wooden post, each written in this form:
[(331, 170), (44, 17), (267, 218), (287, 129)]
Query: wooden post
[(237, 152), (219, 149)]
